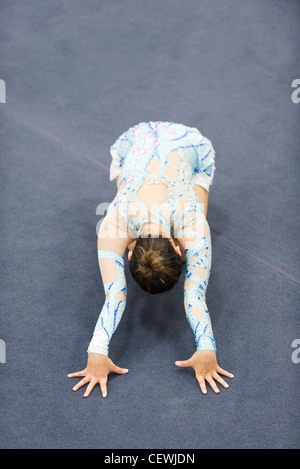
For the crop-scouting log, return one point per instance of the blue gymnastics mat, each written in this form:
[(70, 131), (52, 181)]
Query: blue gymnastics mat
[(77, 75)]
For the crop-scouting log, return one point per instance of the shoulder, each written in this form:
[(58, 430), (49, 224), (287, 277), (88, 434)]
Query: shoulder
[(113, 233), (191, 226)]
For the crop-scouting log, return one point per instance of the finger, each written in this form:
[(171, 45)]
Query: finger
[(202, 384), (81, 383), (89, 388), (220, 380), (78, 373), (212, 384), (183, 363), (103, 387), (117, 369), (224, 372)]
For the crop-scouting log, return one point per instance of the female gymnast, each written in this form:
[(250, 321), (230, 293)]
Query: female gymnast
[(163, 172)]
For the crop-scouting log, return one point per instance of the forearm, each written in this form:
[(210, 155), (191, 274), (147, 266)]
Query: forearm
[(100, 339), (196, 280), (115, 301), (199, 320), (105, 327)]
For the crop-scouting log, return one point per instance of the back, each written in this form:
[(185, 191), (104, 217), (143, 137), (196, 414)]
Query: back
[(163, 152)]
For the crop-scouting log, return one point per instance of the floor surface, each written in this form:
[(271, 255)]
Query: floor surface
[(77, 75)]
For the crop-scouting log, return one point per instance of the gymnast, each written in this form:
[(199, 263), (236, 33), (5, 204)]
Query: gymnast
[(163, 172)]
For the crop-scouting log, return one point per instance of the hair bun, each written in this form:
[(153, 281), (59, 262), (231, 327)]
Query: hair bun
[(147, 266), (147, 261), (154, 264)]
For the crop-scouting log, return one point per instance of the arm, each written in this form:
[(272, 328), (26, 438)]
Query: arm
[(112, 242), (196, 240), (112, 270)]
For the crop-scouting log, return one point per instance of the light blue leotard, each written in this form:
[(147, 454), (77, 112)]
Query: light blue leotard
[(173, 154)]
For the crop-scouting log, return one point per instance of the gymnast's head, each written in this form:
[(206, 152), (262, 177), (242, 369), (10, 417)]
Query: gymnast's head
[(155, 263)]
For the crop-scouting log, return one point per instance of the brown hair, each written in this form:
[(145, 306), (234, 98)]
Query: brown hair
[(154, 264)]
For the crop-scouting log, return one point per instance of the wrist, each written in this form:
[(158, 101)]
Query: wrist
[(99, 343), (207, 343)]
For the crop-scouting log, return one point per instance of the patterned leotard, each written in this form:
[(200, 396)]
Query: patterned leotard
[(172, 154)]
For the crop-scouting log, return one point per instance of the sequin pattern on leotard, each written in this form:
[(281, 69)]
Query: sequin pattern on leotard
[(168, 153)]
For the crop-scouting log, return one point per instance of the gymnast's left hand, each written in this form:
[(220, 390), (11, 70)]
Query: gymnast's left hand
[(204, 363)]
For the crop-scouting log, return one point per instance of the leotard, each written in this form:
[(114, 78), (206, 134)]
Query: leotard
[(148, 153)]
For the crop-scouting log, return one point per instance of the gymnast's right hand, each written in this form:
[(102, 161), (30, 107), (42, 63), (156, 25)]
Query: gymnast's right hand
[(97, 371)]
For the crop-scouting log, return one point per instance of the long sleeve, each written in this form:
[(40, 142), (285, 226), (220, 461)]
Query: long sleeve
[(112, 242), (112, 268), (196, 239), (195, 284)]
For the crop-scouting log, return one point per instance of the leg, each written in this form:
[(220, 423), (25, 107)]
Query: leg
[(202, 196), (114, 170)]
